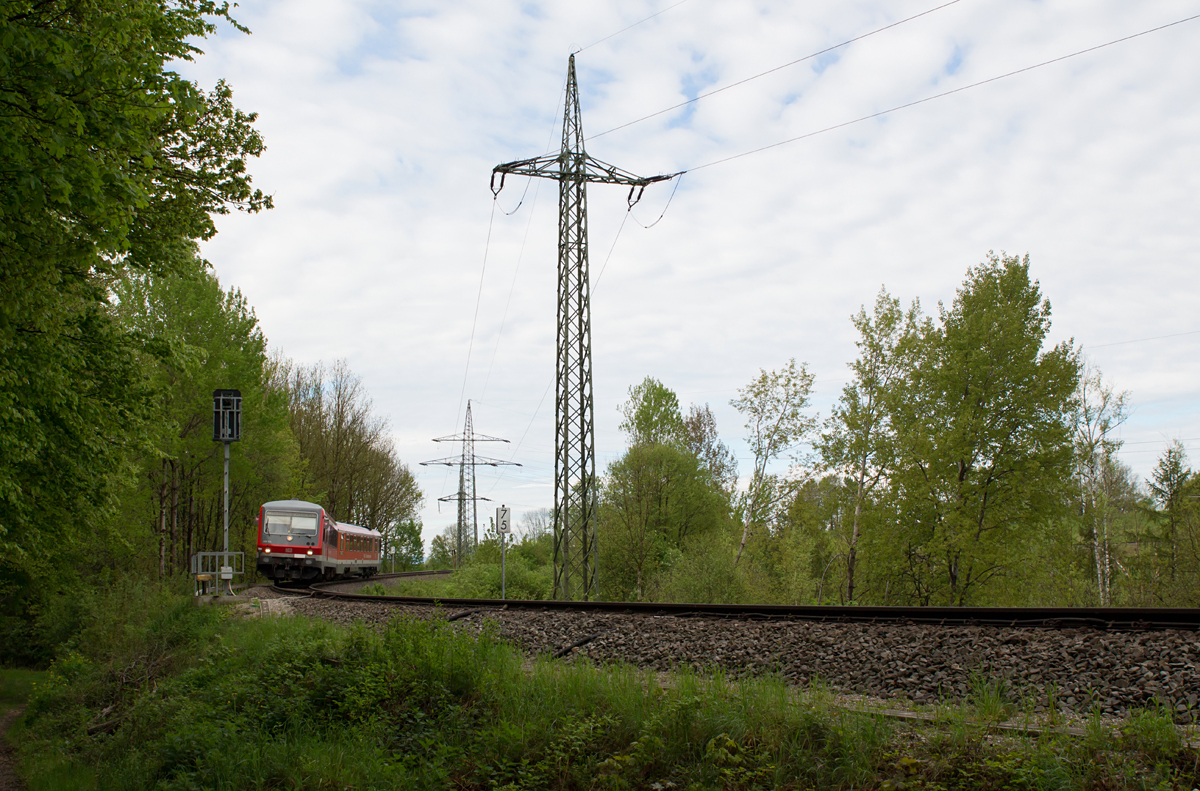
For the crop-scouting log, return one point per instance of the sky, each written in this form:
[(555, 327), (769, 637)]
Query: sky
[(386, 248)]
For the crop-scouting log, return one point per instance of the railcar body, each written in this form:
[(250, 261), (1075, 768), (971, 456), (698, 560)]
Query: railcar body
[(298, 540)]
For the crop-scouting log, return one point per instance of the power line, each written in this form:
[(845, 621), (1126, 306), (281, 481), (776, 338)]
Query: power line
[(1142, 340), (1156, 441), (521, 252), (521, 441), (941, 95), (670, 198), (777, 68), (604, 266), (512, 286), (635, 24), (478, 297)]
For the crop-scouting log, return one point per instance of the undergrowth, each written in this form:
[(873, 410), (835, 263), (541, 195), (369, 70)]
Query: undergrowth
[(190, 699)]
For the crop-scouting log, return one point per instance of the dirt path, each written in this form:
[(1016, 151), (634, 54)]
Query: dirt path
[(8, 770)]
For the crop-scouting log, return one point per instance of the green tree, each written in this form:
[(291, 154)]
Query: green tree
[(112, 163), (668, 487), (441, 550), (805, 552), (654, 498), (701, 439), (1169, 484), (405, 548), (652, 415), (773, 404), (1101, 412), (214, 342), (983, 426), (859, 440)]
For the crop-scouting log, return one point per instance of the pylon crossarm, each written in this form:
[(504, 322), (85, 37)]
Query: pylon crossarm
[(496, 462), (475, 438), (594, 171), (476, 461), (454, 497)]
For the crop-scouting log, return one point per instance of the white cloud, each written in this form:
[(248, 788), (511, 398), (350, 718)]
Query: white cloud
[(383, 121)]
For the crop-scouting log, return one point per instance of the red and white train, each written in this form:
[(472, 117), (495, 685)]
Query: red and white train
[(300, 541)]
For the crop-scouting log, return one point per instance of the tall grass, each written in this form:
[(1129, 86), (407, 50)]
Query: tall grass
[(296, 704)]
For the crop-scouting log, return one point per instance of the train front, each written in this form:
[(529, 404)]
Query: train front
[(289, 540)]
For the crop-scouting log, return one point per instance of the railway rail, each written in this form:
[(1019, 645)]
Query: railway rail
[(1116, 660), (1102, 618)]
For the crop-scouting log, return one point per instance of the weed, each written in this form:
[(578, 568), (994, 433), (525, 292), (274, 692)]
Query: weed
[(990, 697), (1152, 731), (179, 703)]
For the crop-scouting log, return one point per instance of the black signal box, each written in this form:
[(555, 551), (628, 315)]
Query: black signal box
[(227, 415)]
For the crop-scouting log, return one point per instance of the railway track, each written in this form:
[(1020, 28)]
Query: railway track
[(1104, 618), (1116, 660)]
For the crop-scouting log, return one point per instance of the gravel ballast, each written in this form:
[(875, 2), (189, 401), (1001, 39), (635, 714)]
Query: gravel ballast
[(1080, 668)]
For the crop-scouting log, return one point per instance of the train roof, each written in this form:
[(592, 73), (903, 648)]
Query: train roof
[(303, 505), (356, 529), (292, 505)]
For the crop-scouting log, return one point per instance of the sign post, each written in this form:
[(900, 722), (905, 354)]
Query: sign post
[(503, 526), (227, 428)]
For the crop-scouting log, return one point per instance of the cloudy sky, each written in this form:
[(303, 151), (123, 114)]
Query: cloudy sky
[(383, 121)]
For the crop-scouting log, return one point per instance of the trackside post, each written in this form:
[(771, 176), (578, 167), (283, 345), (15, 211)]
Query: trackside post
[(227, 428)]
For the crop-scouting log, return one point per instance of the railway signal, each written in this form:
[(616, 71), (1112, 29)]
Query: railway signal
[(227, 428)]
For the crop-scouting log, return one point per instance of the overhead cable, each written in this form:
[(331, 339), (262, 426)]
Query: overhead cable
[(635, 24), (1140, 340), (777, 68), (942, 95)]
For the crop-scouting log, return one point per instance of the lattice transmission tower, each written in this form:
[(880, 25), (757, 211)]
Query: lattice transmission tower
[(575, 555), (466, 534)]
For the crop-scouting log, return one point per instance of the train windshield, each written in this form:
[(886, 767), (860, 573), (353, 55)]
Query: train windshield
[(290, 527)]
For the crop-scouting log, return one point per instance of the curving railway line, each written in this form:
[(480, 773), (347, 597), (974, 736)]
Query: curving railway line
[(1078, 660), (1105, 618)]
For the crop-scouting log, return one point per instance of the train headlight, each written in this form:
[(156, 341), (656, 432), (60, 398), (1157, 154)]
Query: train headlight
[(310, 551), (267, 550)]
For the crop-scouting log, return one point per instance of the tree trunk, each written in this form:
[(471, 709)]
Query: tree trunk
[(174, 553), (852, 554), (162, 523)]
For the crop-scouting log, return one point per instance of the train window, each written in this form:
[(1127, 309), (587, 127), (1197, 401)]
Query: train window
[(277, 524)]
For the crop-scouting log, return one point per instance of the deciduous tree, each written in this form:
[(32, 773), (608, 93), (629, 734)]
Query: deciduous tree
[(984, 424), (773, 404), (859, 439)]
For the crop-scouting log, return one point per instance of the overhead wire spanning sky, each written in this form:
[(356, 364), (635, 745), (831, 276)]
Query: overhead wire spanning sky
[(383, 121)]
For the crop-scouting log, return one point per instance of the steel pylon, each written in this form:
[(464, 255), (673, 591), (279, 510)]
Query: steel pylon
[(575, 549), (466, 534)]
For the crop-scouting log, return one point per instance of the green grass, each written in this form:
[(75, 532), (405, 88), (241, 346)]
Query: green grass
[(189, 700), (16, 686)]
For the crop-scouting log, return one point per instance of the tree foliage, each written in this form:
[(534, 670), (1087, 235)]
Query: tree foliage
[(671, 486), (351, 465), (773, 404), (859, 437), (983, 425), (112, 163), (214, 342)]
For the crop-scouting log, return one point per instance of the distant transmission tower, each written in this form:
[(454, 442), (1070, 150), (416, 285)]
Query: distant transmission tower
[(575, 573), (468, 515)]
